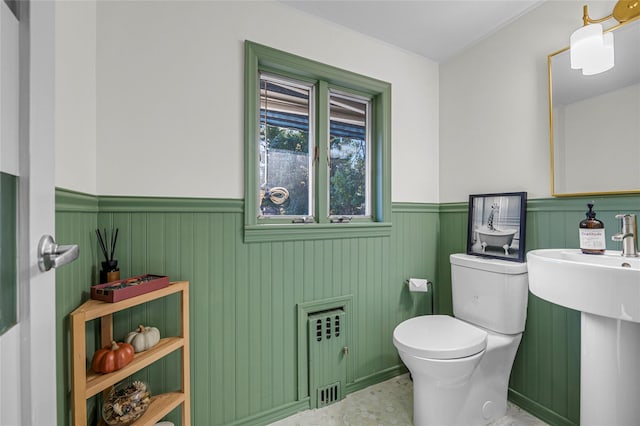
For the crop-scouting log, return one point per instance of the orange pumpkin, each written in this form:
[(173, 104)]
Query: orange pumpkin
[(112, 358)]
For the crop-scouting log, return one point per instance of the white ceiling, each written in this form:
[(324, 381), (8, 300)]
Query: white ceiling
[(436, 29)]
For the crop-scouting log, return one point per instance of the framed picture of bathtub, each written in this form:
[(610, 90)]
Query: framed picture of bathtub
[(497, 225)]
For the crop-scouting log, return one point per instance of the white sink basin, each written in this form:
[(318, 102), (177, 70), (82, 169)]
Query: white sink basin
[(607, 285), (606, 289)]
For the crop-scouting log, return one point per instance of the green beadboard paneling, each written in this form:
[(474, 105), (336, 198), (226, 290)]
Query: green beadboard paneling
[(244, 354), (451, 239), (244, 347), (76, 222)]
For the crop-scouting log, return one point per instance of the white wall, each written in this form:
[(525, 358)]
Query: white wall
[(75, 101), (494, 117), (169, 99), (170, 95)]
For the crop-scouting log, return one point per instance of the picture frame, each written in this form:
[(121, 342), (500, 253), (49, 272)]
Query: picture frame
[(497, 224)]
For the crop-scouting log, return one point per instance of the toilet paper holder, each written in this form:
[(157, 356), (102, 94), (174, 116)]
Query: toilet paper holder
[(428, 291), (429, 283)]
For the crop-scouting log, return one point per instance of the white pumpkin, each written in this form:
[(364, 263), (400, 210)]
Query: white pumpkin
[(143, 338)]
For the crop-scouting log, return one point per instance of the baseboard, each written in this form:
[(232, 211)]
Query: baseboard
[(375, 378), (538, 410), (279, 413)]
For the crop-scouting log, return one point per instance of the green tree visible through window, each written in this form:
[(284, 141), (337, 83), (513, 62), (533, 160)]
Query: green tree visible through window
[(348, 177), (349, 147)]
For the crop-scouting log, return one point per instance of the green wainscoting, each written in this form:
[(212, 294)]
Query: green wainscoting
[(545, 379), (244, 296), (76, 223)]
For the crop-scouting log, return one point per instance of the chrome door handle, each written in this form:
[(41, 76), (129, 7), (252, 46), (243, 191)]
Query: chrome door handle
[(52, 255)]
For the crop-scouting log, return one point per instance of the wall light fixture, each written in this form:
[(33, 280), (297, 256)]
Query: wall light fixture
[(591, 49)]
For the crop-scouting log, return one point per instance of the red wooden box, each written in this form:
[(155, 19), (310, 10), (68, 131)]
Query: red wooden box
[(116, 291)]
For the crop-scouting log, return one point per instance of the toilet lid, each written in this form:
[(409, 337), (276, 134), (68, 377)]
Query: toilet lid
[(439, 337)]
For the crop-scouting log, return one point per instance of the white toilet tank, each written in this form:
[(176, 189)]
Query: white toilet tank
[(491, 293)]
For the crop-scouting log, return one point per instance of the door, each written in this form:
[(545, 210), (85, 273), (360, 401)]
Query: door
[(27, 348)]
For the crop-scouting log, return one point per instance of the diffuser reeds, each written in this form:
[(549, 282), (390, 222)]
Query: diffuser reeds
[(108, 247)]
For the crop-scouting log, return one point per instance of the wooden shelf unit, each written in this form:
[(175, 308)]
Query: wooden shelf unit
[(89, 383)]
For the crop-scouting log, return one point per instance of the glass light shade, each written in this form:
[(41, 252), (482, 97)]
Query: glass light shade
[(602, 58), (582, 41), (591, 50)]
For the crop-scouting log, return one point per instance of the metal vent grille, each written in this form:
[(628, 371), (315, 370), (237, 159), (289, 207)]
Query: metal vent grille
[(328, 394), (327, 327)]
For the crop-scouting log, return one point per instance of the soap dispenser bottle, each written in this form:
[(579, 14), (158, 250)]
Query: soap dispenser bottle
[(592, 238)]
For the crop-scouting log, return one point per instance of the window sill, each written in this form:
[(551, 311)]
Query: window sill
[(314, 231)]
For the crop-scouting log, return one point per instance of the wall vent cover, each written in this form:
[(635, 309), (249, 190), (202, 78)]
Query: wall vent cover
[(327, 351), (328, 394)]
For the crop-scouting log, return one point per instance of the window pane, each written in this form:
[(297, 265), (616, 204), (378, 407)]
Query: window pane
[(285, 160), (8, 251), (349, 168)]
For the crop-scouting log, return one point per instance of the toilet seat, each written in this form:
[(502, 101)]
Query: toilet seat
[(439, 337)]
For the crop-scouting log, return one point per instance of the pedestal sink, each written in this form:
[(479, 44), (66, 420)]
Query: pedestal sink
[(606, 290)]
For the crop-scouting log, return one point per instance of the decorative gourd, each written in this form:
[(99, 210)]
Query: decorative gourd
[(112, 358), (143, 338)]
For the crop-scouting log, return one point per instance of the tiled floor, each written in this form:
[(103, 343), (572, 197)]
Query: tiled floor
[(385, 404)]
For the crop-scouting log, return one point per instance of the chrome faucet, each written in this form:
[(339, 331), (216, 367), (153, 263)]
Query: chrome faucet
[(628, 235)]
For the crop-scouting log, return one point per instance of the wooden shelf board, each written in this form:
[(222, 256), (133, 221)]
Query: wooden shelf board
[(92, 309), (97, 382), (160, 406)]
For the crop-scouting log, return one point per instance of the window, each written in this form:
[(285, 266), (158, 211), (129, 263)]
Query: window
[(349, 159), (317, 149), (286, 144), (8, 250)]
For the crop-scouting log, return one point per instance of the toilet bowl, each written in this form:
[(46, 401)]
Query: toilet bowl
[(461, 368)]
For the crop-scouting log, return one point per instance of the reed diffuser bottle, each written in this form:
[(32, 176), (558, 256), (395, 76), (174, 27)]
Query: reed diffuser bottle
[(109, 271), (592, 239)]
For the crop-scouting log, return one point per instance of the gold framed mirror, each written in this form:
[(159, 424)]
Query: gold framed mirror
[(594, 121)]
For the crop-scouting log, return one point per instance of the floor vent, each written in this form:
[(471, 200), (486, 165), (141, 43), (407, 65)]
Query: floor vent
[(328, 394)]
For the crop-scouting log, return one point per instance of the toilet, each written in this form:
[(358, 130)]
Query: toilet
[(460, 365)]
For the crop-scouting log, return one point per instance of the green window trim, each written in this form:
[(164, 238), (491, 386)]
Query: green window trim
[(263, 58)]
